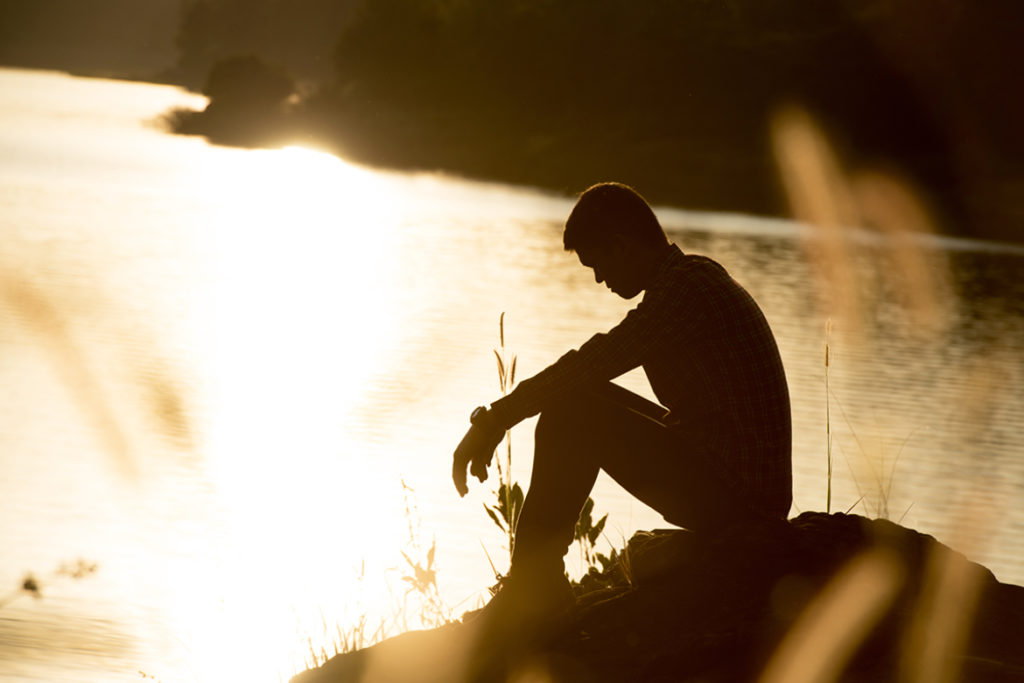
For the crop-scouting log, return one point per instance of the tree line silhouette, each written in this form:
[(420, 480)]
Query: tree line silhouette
[(672, 96)]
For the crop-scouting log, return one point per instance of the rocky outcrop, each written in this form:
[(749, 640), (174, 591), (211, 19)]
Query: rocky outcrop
[(820, 597)]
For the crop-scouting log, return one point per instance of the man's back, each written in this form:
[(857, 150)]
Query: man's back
[(719, 371)]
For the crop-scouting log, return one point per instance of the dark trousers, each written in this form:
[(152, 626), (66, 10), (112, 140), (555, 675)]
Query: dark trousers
[(612, 429)]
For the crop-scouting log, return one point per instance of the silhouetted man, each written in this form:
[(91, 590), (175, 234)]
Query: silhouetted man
[(719, 454)]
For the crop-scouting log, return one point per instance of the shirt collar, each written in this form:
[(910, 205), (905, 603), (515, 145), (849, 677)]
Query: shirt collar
[(670, 257)]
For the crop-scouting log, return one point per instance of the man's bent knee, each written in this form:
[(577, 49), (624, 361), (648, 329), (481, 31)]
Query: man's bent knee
[(560, 422)]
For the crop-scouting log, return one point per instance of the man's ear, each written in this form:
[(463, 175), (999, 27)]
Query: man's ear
[(617, 243), (623, 248)]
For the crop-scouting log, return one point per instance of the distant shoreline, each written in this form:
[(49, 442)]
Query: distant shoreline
[(410, 141), (365, 143), (690, 102)]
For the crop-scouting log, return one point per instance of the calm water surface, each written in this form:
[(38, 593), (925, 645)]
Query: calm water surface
[(233, 380)]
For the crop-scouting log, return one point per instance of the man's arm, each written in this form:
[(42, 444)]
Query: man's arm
[(664, 318), (603, 357)]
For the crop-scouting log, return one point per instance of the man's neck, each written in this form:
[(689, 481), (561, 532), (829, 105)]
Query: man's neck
[(651, 260)]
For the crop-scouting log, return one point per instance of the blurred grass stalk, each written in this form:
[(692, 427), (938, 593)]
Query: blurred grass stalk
[(44, 317), (829, 631), (840, 206), (828, 424), (838, 203)]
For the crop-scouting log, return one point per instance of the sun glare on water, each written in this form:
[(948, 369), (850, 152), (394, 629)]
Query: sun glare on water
[(301, 311)]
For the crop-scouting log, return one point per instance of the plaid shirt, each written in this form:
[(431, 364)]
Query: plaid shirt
[(710, 357)]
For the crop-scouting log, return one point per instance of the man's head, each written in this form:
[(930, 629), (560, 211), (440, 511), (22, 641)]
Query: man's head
[(614, 231)]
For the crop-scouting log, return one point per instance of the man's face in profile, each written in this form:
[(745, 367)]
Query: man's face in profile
[(613, 264)]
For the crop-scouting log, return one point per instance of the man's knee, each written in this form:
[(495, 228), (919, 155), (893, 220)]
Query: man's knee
[(560, 421)]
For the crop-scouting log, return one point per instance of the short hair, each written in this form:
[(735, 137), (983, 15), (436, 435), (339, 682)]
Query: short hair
[(608, 209)]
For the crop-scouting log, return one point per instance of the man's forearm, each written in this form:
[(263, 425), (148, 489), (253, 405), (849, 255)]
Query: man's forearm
[(531, 395)]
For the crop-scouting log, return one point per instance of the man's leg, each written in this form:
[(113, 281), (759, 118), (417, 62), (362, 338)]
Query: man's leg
[(613, 429)]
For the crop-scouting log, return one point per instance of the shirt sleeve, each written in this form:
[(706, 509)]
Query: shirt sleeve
[(603, 357)]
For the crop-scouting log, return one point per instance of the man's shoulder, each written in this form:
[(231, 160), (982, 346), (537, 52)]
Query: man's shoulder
[(684, 275), (695, 265)]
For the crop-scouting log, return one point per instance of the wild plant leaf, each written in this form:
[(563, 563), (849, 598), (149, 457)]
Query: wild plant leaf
[(517, 504), (501, 368), (595, 532), (517, 494), (494, 569), (501, 328), (849, 509), (502, 507), (425, 578), (905, 512), (588, 509), (584, 522), (608, 561), (433, 547), (494, 517), (508, 499), (512, 373), (408, 559)]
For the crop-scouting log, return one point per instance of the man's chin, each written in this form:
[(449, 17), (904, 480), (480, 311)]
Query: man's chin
[(627, 294)]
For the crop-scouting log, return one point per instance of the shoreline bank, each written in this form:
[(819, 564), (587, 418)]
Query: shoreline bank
[(861, 599)]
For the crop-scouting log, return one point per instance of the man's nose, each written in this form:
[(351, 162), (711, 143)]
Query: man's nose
[(598, 277)]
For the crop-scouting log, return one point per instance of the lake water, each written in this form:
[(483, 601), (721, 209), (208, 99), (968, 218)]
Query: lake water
[(233, 381)]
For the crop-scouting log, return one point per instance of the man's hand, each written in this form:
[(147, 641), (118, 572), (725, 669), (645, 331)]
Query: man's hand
[(475, 451)]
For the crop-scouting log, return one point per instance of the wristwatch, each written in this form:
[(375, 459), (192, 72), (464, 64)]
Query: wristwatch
[(478, 415)]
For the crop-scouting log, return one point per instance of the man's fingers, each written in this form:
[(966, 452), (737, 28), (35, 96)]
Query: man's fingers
[(459, 474), (460, 483), (479, 470), (475, 453), (480, 463)]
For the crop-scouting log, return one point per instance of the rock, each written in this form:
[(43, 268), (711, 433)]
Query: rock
[(861, 600)]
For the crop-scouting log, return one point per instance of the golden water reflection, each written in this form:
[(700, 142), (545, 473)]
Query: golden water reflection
[(303, 309)]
